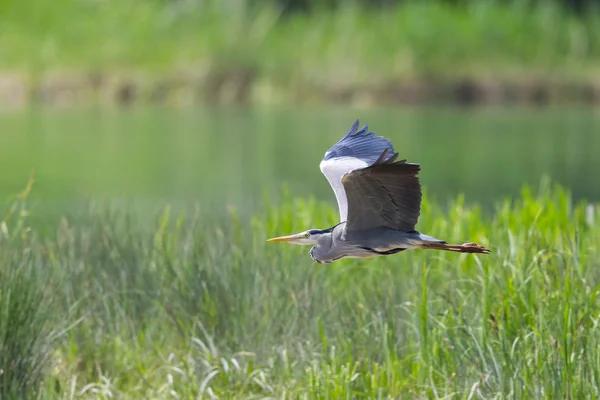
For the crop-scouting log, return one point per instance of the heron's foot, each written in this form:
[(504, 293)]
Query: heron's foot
[(472, 248), (458, 248)]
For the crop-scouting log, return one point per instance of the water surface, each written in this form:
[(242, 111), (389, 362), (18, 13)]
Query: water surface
[(215, 157)]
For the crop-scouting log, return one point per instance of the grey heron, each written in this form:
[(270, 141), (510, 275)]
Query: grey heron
[(379, 201)]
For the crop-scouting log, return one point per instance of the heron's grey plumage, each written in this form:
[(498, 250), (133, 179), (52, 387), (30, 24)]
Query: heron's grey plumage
[(386, 194), (379, 200)]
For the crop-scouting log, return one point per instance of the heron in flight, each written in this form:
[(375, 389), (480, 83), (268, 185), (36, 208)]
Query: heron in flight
[(379, 200)]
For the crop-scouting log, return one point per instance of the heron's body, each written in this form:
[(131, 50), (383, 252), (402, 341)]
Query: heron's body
[(379, 202), (337, 242)]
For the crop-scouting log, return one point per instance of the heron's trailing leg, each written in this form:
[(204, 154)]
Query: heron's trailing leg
[(458, 248)]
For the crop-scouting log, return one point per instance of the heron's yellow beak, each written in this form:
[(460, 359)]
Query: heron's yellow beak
[(287, 238)]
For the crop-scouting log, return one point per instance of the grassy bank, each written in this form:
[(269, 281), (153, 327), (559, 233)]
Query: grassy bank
[(72, 51), (103, 308)]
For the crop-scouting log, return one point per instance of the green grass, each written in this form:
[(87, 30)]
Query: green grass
[(103, 308), (218, 48)]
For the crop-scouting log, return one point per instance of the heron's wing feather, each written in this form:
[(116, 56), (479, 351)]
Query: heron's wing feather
[(334, 170), (385, 194), (358, 149)]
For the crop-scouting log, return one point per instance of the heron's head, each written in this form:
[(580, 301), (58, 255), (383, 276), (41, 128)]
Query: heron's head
[(309, 237)]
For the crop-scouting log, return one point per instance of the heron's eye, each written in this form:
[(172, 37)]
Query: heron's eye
[(307, 235)]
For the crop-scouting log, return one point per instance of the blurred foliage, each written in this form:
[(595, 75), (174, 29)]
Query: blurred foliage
[(244, 51)]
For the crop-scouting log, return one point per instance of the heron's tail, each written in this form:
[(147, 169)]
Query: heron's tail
[(458, 248)]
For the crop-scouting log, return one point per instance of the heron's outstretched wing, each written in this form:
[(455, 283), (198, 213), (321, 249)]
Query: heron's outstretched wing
[(359, 148), (385, 194)]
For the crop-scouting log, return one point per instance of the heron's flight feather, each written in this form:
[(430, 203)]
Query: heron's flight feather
[(387, 194), (358, 149), (360, 144)]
